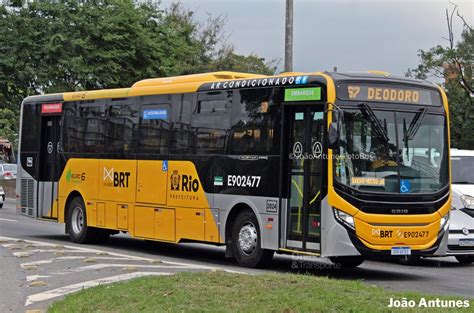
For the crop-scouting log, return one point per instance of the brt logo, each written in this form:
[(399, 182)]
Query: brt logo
[(113, 178), (183, 182), (382, 233)]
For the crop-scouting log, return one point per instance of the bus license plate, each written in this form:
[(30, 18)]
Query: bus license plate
[(466, 242), (401, 250)]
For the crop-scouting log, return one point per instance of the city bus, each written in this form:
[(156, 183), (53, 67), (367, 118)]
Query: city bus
[(331, 165)]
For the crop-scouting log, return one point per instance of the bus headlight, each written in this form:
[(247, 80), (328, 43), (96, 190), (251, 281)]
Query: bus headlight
[(467, 201), (444, 222), (344, 218)]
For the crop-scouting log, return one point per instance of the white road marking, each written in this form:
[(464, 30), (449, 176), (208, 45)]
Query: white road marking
[(50, 261), (62, 291), (63, 251), (67, 258), (35, 277), (138, 258), (7, 220), (102, 266)]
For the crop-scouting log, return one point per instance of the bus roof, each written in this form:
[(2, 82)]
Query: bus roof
[(195, 82)]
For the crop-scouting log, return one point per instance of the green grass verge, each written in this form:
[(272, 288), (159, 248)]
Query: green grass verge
[(224, 292)]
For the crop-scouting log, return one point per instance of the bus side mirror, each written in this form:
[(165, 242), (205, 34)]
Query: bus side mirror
[(333, 135)]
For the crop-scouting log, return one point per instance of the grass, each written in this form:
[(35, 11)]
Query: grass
[(225, 292)]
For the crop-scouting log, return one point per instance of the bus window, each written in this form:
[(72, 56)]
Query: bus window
[(255, 123), (210, 122), (30, 125), (154, 135), (122, 126), (181, 123)]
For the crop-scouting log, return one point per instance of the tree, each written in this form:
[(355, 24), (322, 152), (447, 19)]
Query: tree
[(70, 45), (8, 126), (453, 64), (49, 47)]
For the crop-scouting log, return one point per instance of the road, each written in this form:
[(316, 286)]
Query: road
[(40, 265)]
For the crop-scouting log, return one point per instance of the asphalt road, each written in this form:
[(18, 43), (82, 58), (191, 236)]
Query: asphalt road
[(38, 265)]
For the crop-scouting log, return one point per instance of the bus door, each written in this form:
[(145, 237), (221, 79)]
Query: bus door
[(305, 163), (49, 166)]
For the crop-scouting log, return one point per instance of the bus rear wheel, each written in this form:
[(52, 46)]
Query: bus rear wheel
[(246, 241), (347, 261), (76, 224)]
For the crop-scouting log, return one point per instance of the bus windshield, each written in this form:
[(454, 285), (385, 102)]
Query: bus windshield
[(396, 152)]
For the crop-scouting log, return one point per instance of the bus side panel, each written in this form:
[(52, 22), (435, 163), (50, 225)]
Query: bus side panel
[(152, 181), (80, 175), (185, 192), (117, 180)]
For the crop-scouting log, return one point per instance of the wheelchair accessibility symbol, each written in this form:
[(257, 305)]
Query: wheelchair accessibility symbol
[(405, 185)]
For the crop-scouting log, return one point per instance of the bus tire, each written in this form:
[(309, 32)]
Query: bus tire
[(465, 259), (76, 221), (347, 262), (246, 243)]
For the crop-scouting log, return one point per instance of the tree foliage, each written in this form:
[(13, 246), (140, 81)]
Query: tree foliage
[(57, 46), (453, 64), (8, 125)]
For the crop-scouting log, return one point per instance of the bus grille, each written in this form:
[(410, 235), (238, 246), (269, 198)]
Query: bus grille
[(27, 196)]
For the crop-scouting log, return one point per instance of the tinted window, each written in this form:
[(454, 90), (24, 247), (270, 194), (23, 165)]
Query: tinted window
[(121, 126), (30, 128), (84, 125), (154, 134), (92, 126), (255, 123), (71, 136), (181, 123), (211, 122)]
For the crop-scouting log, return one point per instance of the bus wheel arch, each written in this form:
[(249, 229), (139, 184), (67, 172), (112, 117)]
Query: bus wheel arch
[(243, 237), (229, 223), (76, 222), (70, 197)]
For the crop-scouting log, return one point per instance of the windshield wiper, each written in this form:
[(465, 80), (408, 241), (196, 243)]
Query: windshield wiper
[(462, 183), (415, 124), (381, 132)]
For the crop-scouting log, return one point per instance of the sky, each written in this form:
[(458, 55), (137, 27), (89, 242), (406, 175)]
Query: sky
[(354, 35)]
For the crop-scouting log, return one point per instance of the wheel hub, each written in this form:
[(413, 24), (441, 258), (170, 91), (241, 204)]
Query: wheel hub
[(248, 238), (77, 220)]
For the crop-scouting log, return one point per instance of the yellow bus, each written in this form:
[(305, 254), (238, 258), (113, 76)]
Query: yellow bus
[(333, 165)]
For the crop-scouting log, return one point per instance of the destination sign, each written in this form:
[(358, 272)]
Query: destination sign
[(303, 94), (388, 93)]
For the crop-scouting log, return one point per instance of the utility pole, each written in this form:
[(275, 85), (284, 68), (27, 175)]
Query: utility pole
[(289, 36)]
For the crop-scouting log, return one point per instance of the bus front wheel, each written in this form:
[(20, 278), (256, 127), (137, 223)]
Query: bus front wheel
[(347, 261), (246, 241), (76, 223)]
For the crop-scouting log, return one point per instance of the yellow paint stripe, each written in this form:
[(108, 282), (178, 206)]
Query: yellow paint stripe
[(299, 252)]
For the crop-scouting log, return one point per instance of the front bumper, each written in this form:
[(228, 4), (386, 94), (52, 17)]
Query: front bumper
[(454, 247)]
